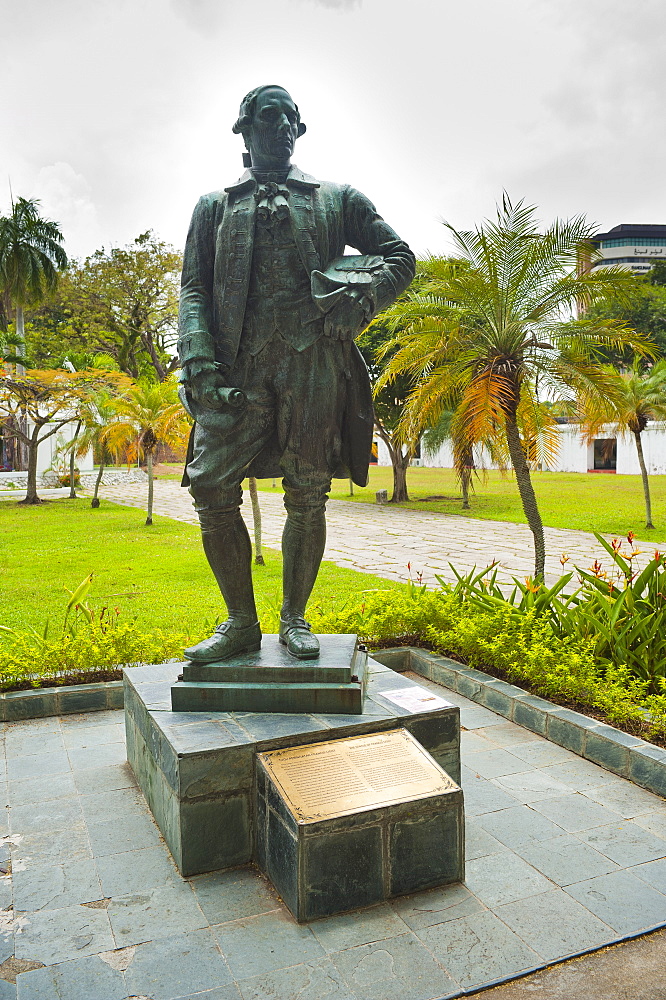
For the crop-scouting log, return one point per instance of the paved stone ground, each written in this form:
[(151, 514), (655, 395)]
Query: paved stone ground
[(634, 970), (562, 856), (384, 539)]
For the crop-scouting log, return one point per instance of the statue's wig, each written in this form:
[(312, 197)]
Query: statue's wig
[(248, 106)]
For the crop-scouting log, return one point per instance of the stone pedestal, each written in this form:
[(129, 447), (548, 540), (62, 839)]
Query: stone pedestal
[(197, 770), (271, 680), (348, 823)]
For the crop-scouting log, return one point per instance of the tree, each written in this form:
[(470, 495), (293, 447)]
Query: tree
[(48, 399), (148, 414), (96, 414), (256, 521), (388, 403), (121, 302), (31, 256), (640, 397), (490, 324), (644, 310)]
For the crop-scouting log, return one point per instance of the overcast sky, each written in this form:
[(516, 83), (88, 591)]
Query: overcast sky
[(117, 114)]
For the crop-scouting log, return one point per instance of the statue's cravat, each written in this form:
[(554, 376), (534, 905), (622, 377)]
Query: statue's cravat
[(272, 201)]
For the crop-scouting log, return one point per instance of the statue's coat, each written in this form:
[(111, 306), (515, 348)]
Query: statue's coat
[(325, 218)]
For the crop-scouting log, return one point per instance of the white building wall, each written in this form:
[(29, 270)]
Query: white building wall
[(574, 454), (46, 452)]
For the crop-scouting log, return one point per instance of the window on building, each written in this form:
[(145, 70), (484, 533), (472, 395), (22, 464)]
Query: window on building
[(605, 454), (632, 241)]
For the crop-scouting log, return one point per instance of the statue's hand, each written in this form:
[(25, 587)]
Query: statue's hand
[(205, 387), (348, 316)]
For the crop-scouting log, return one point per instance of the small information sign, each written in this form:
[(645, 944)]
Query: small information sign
[(415, 699)]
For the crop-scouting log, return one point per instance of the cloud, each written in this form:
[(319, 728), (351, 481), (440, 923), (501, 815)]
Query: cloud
[(66, 198), (338, 4)]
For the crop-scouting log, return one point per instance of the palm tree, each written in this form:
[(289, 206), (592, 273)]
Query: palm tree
[(640, 397), (30, 257), (95, 415), (489, 324), (148, 414)]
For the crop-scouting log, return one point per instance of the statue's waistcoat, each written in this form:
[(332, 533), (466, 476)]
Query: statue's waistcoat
[(279, 298), (234, 256)]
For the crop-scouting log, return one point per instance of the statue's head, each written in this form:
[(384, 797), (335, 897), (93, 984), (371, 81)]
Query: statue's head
[(270, 124)]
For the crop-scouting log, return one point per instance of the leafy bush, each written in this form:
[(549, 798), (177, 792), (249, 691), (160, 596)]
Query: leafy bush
[(87, 643), (64, 479), (620, 614), (520, 645)]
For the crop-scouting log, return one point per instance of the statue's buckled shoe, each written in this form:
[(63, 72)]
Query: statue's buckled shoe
[(226, 641), (295, 634)]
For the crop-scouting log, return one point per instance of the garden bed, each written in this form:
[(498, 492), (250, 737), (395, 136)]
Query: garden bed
[(633, 727), (623, 754), (39, 703)]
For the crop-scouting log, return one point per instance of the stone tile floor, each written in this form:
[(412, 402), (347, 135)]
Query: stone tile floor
[(562, 856), (384, 539)]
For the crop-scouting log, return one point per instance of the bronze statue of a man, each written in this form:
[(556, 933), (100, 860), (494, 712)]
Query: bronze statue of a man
[(269, 311)]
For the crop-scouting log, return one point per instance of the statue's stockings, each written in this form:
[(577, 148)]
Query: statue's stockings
[(228, 549)]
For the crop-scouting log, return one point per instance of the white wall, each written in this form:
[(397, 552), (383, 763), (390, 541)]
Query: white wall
[(574, 455), (47, 449)]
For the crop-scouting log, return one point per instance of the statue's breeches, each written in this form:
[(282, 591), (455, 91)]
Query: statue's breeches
[(291, 424)]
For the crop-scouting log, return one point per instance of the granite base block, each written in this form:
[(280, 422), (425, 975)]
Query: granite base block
[(271, 680), (197, 769), (333, 865)]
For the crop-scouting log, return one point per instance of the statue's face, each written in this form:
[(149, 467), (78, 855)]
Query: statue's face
[(274, 127)]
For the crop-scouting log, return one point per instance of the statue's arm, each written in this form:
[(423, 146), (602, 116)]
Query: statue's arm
[(196, 348), (367, 232)]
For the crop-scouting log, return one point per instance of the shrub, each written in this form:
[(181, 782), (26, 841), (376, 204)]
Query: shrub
[(88, 642), (522, 646)]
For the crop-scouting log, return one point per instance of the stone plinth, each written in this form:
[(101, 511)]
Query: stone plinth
[(271, 680), (197, 769), (351, 822)]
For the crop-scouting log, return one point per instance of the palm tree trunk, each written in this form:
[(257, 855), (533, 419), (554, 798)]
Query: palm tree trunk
[(149, 468), (256, 521), (644, 476), (528, 499), (351, 487), (465, 477), (20, 333), (72, 459), (95, 500), (21, 448)]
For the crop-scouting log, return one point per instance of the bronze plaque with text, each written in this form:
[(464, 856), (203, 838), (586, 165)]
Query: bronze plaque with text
[(324, 780)]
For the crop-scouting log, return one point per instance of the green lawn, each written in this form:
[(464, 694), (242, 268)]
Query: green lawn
[(607, 503), (158, 575), (588, 501)]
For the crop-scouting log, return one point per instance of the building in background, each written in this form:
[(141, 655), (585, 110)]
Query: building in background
[(610, 452), (632, 246)]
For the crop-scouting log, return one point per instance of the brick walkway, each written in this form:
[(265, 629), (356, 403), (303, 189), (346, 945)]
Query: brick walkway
[(384, 539)]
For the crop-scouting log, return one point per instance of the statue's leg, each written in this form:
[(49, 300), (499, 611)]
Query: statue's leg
[(220, 459), (303, 541), (228, 549), (309, 419)]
